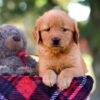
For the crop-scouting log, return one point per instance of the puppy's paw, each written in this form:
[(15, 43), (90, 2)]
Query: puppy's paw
[(64, 80), (49, 78)]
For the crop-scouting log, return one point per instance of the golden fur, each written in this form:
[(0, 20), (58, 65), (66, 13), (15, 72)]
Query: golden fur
[(58, 64)]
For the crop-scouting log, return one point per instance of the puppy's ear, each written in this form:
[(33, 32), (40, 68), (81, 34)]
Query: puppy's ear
[(76, 33), (35, 35), (36, 31)]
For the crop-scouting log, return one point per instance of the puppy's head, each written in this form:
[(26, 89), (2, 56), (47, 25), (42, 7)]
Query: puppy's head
[(55, 29)]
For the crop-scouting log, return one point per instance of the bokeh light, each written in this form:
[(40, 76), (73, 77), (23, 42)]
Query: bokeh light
[(78, 11)]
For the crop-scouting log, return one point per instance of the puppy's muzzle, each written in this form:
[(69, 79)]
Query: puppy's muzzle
[(56, 41)]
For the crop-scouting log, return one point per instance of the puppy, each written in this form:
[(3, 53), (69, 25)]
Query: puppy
[(57, 37)]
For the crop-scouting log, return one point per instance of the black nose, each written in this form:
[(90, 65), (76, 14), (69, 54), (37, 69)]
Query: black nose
[(16, 38), (56, 41)]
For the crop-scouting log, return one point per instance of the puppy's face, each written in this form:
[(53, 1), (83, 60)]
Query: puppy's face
[(55, 29)]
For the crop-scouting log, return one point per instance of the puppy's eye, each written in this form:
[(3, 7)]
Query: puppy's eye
[(64, 29), (48, 29)]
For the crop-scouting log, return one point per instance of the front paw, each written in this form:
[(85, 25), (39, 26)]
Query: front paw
[(49, 78), (64, 80)]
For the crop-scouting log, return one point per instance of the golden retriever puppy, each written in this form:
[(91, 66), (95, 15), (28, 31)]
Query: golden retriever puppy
[(60, 59)]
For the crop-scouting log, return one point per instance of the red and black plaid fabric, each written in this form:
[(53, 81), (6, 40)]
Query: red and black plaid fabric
[(32, 88)]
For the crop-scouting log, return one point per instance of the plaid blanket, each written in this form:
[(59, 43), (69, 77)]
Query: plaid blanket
[(32, 88)]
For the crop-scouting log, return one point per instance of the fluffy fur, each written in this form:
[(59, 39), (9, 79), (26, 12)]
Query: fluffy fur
[(12, 41), (57, 37)]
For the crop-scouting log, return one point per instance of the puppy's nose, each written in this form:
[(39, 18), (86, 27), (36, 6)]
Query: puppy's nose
[(56, 41), (16, 38)]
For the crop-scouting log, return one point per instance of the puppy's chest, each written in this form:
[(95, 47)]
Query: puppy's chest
[(60, 63)]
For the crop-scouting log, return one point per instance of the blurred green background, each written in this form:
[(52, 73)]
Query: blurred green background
[(23, 13)]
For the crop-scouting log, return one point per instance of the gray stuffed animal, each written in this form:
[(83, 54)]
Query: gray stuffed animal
[(13, 41)]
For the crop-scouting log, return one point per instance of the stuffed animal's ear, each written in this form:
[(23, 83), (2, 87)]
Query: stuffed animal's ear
[(76, 33)]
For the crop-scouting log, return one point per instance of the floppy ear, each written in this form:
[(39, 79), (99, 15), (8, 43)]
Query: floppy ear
[(76, 33), (36, 31), (37, 35)]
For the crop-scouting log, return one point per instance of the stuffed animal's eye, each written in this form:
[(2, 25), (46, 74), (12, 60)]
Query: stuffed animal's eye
[(48, 29)]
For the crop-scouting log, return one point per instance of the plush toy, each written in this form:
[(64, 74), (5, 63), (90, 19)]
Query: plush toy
[(13, 60)]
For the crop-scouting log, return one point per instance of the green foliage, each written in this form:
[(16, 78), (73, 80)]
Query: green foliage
[(30, 9), (13, 8), (91, 30)]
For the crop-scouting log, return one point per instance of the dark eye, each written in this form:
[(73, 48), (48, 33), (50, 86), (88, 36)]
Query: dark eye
[(48, 29), (64, 29)]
